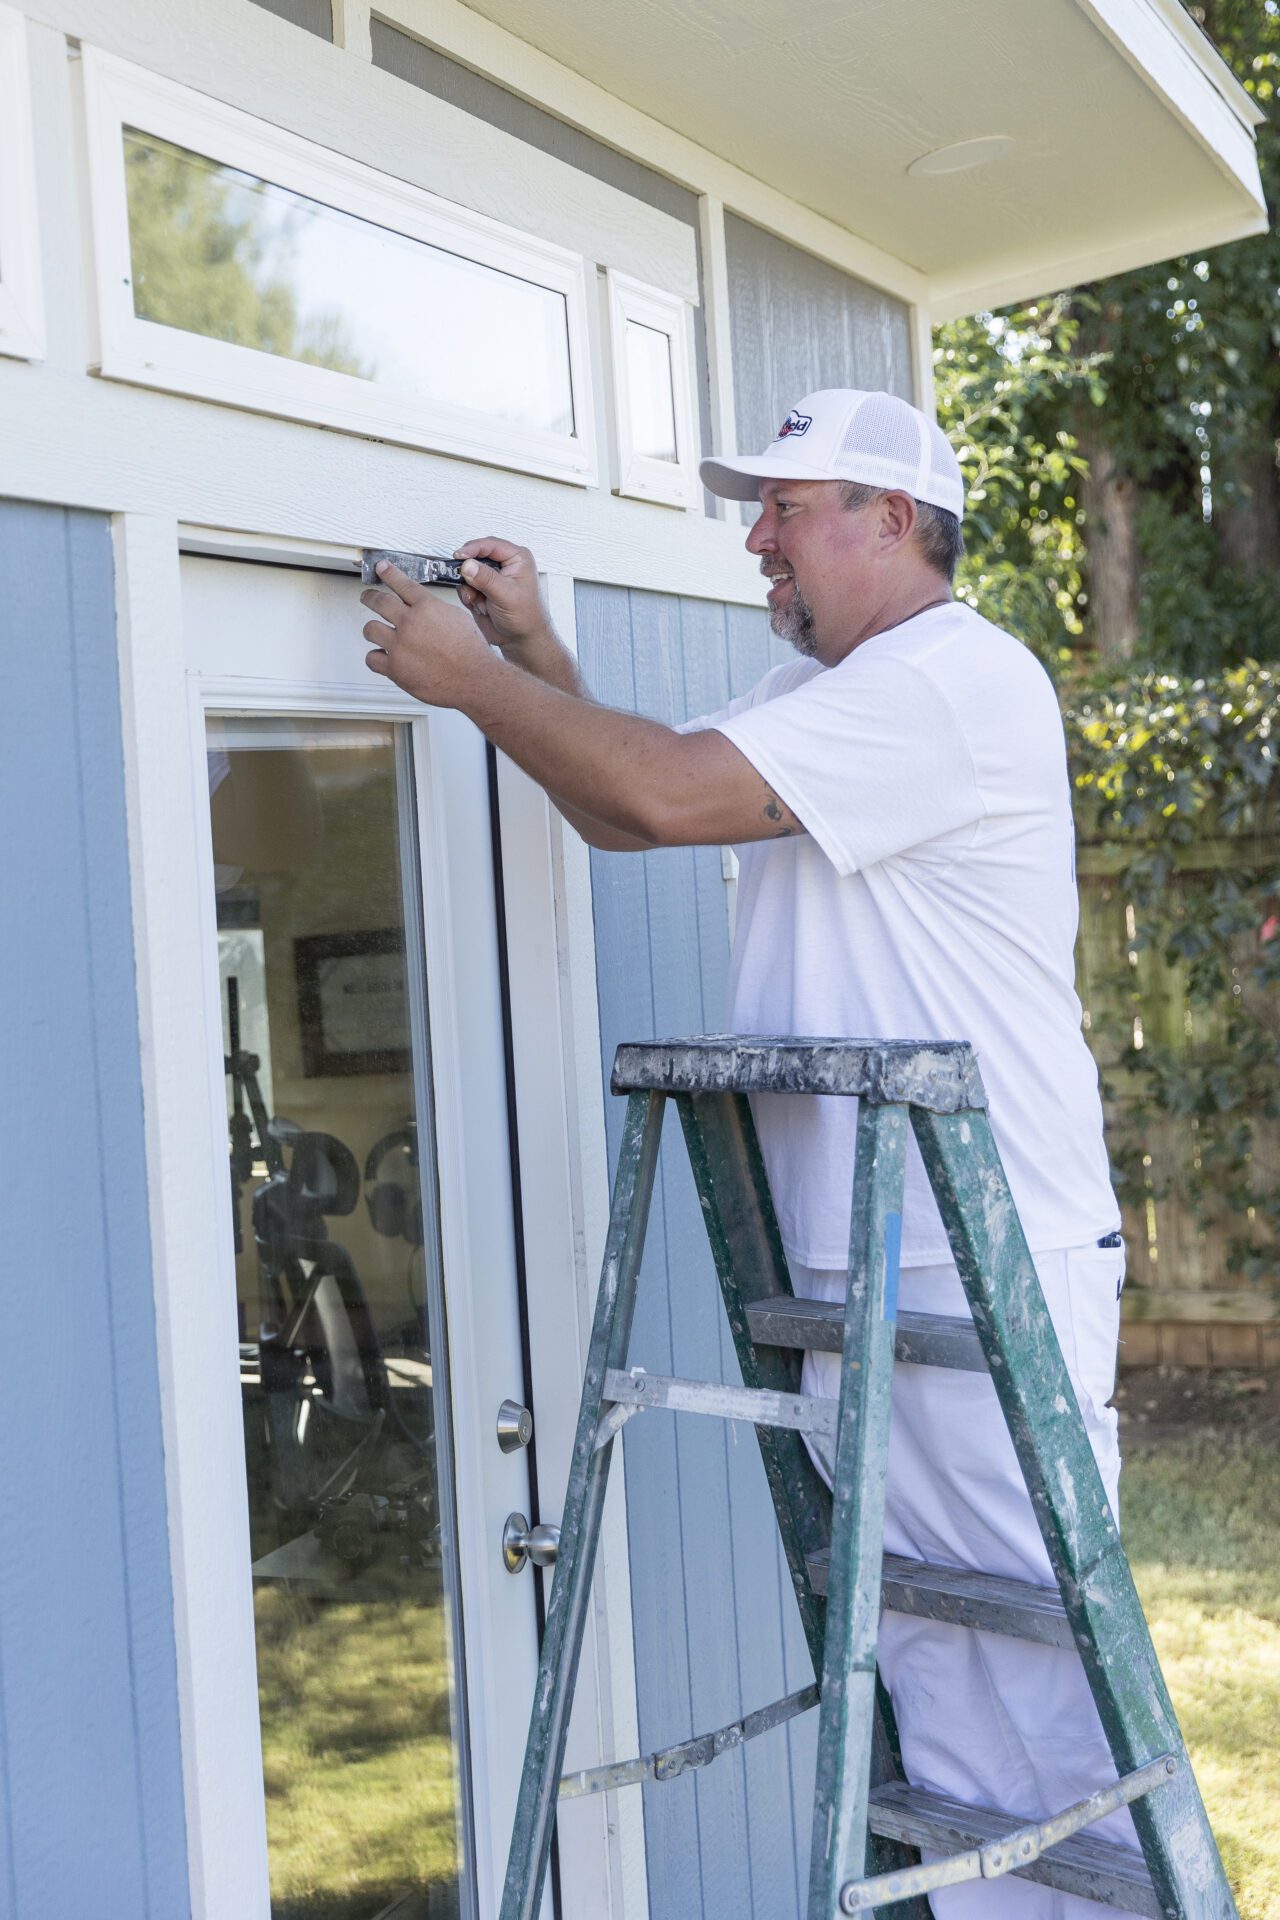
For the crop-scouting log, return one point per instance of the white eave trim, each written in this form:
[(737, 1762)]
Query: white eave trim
[(1164, 46), (1173, 58), (1206, 56), (1001, 282)]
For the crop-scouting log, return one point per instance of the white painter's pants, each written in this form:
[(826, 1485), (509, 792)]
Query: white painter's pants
[(991, 1720)]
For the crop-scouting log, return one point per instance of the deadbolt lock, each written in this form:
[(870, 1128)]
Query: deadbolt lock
[(515, 1426)]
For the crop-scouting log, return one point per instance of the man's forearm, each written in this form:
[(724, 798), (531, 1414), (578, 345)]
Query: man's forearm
[(603, 765), (544, 655)]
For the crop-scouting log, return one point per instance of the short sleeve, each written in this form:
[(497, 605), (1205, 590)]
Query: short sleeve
[(869, 755), (775, 681)]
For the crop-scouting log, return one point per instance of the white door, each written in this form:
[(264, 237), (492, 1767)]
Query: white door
[(352, 996)]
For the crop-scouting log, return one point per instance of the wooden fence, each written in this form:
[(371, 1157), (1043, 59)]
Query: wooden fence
[(1184, 1303)]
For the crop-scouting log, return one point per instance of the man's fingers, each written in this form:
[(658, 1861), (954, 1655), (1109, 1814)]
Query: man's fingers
[(380, 600), (490, 547), (377, 662), (391, 576), (378, 635)]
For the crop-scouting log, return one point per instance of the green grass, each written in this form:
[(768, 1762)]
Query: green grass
[(355, 1696), (1201, 1521), (357, 1756)]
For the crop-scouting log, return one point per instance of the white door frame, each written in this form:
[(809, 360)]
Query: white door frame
[(163, 718)]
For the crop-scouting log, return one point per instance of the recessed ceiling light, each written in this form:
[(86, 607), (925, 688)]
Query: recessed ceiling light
[(964, 155)]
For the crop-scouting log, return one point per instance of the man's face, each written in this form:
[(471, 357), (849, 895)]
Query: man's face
[(826, 564)]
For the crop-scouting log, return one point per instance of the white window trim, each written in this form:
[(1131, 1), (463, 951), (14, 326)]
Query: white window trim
[(21, 295), (639, 476), (140, 351)]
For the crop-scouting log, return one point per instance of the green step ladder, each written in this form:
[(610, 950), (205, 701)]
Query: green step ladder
[(868, 1823)]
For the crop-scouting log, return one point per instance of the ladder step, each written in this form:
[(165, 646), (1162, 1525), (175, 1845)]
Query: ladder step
[(964, 1598), (939, 1075), (1094, 1869), (925, 1339)]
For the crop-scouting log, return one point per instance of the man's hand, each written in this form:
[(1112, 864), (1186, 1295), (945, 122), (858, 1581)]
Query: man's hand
[(502, 598), (433, 651), (504, 601)]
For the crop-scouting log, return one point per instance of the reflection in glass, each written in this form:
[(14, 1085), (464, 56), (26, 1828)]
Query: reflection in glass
[(649, 392), (225, 254), (346, 1436)]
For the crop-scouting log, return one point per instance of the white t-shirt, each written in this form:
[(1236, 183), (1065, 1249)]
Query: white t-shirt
[(932, 898)]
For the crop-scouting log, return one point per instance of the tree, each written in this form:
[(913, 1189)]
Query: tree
[(1137, 437)]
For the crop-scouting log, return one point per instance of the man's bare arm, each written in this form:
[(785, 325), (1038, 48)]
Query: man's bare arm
[(658, 787), (502, 595)]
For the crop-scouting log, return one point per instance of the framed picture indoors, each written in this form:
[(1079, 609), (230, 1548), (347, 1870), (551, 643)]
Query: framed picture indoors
[(352, 1003)]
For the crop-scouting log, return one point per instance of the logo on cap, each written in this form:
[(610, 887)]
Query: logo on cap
[(795, 423)]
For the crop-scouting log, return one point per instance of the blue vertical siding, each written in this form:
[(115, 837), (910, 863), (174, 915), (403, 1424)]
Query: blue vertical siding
[(90, 1769), (716, 1628)]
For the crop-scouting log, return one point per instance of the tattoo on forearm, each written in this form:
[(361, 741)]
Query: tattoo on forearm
[(783, 820)]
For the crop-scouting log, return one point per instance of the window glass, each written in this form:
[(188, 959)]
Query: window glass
[(223, 253), (342, 1350), (649, 392)]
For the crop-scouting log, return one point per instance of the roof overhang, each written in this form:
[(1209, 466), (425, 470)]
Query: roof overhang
[(1131, 139)]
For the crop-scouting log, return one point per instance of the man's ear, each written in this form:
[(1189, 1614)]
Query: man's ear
[(897, 519)]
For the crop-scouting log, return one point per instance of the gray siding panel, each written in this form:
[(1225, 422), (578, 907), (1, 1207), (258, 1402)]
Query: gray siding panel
[(716, 1630), (315, 15), (422, 66), (797, 324), (89, 1745)]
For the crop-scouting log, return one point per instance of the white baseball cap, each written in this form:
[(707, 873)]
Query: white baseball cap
[(841, 433)]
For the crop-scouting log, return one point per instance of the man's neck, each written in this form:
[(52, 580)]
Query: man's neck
[(931, 591)]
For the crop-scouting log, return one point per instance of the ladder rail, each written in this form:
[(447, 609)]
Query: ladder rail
[(1079, 1530), (584, 1503), (746, 1246), (847, 1714)]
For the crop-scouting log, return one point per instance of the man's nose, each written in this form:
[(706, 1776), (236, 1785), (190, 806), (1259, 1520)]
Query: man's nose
[(762, 533)]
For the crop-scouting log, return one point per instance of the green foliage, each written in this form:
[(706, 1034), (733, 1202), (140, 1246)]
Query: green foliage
[(1177, 366), (1000, 381), (212, 256), (1182, 779), (1174, 372), (1193, 367)]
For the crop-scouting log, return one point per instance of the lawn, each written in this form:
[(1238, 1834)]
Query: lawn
[(355, 1697), (1200, 1514), (357, 1757)]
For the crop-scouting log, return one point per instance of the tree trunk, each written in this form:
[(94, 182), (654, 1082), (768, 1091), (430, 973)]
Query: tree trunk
[(1109, 497), (1246, 508), (1114, 564)]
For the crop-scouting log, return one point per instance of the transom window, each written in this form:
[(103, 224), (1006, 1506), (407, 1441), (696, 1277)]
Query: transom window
[(241, 263)]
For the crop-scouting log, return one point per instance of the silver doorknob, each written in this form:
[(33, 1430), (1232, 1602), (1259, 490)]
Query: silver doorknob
[(515, 1426), (521, 1542)]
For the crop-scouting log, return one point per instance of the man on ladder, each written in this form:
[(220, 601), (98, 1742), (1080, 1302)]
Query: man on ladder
[(899, 800)]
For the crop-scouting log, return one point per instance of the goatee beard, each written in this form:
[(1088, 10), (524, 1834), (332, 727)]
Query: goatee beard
[(794, 623)]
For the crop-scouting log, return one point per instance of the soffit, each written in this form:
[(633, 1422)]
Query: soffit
[(1131, 139)]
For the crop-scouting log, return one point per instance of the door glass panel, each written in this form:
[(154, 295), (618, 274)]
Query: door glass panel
[(219, 252), (342, 1348)]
